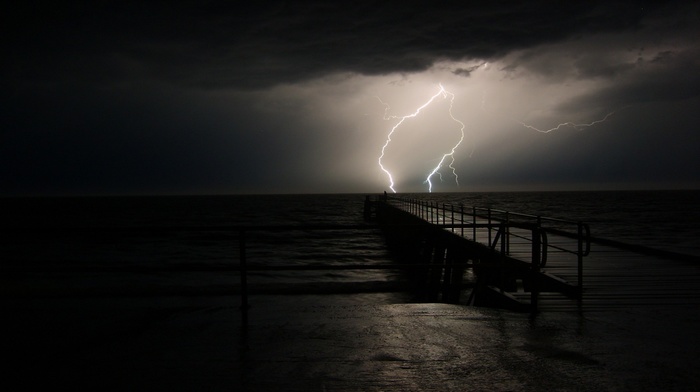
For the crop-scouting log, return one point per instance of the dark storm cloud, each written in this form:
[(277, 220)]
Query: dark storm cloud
[(668, 77), (466, 72), (225, 44)]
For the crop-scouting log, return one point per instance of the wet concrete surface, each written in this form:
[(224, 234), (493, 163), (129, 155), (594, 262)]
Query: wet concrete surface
[(307, 343)]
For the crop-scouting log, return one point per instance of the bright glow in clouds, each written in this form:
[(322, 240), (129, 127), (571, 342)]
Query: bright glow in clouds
[(450, 155), (445, 94), (401, 132)]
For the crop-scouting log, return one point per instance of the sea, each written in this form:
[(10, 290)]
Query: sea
[(183, 245)]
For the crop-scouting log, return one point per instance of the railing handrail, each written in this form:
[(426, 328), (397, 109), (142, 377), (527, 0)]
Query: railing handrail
[(463, 207), (505, 220)]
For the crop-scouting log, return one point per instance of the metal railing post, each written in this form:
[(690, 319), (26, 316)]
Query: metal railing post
[(579, 255), (489, 228), (506, 235), (243, 271), (535, 267), (501, 231)]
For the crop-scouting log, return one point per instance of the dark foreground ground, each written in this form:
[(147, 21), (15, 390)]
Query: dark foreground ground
[(342, 343)]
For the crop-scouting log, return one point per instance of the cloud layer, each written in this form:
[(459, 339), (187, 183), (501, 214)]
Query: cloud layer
[(224, 44)]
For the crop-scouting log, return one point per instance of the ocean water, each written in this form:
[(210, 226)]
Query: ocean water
[(180, 244)]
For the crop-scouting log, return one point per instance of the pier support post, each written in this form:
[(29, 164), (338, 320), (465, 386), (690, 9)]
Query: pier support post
[(454, 273), (437, 266)]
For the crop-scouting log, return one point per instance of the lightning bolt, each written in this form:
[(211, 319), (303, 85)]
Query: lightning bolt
[(567, 124), (574, 125), (445, 94), (450, 154)]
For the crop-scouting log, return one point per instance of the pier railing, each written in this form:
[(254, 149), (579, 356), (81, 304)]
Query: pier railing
[(514, 232)]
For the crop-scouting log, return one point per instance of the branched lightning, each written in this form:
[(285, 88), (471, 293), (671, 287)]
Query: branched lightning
[(445, 94), (450, 154)]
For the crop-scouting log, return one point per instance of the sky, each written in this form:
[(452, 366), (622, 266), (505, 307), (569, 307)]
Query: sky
[(214, 97)]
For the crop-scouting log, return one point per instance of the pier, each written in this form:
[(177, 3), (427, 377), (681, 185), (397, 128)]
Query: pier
[(531, 263), (501, 258)]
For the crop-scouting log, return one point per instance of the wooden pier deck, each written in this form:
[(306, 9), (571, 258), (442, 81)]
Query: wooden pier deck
[(611, 276)]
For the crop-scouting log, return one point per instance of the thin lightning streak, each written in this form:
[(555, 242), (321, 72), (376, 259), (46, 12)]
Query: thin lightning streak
[(444, 94), (568, 123), (574, 125)]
